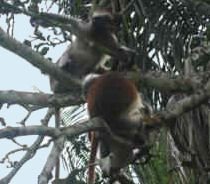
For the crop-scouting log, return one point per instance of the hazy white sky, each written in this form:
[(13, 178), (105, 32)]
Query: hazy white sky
[(18, 74)]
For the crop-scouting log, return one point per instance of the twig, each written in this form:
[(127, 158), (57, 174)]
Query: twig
[(17, 143), (2, 121), (46, 173), (29, 154), (12, 152), (30, 109)]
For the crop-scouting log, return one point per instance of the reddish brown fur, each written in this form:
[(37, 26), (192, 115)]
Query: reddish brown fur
[(91, 167), (109, 97)]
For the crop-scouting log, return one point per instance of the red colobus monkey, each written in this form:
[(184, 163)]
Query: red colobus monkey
[(83, 55), (116, 100)]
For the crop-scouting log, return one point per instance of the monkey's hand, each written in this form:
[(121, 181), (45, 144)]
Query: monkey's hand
[(105, 165)]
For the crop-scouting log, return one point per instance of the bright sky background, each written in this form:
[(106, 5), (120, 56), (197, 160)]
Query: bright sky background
[(18, 74)]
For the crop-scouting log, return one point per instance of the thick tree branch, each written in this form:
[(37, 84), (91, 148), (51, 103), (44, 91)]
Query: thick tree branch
[(40, 99), (37, 60), (74, 130), (186, 104), (11, 132), (167, 83)]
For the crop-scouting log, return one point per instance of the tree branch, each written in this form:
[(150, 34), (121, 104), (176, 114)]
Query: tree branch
[(38, 61), (46, 173), (73, 130), (29, 154), (165, 82), (11, 132), (186, 104), (40, 99)]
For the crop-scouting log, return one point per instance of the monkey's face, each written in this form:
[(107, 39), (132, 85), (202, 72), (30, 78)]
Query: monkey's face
[(103, 21)]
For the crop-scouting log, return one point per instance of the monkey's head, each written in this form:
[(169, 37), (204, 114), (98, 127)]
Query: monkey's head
[(103, 19)]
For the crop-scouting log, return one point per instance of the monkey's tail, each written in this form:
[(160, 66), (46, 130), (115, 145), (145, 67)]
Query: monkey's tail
[(57, 125), (91, 165)]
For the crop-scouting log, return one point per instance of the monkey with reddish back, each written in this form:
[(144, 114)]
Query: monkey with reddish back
[(117, 101)]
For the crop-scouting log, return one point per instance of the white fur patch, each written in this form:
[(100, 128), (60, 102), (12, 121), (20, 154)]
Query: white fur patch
[(134, 111)]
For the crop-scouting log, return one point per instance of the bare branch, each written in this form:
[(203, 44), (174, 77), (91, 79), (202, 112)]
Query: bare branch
[(30, 153), (10, 153), (11, 132), (39, 99), (165, 82), (37, 60), (186, 104), (19, 144), (46, 173), (30, 108), (74, 130)]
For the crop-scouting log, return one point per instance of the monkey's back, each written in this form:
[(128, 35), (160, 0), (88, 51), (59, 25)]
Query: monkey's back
[(110, 96), (82, 57), (79, 59)]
